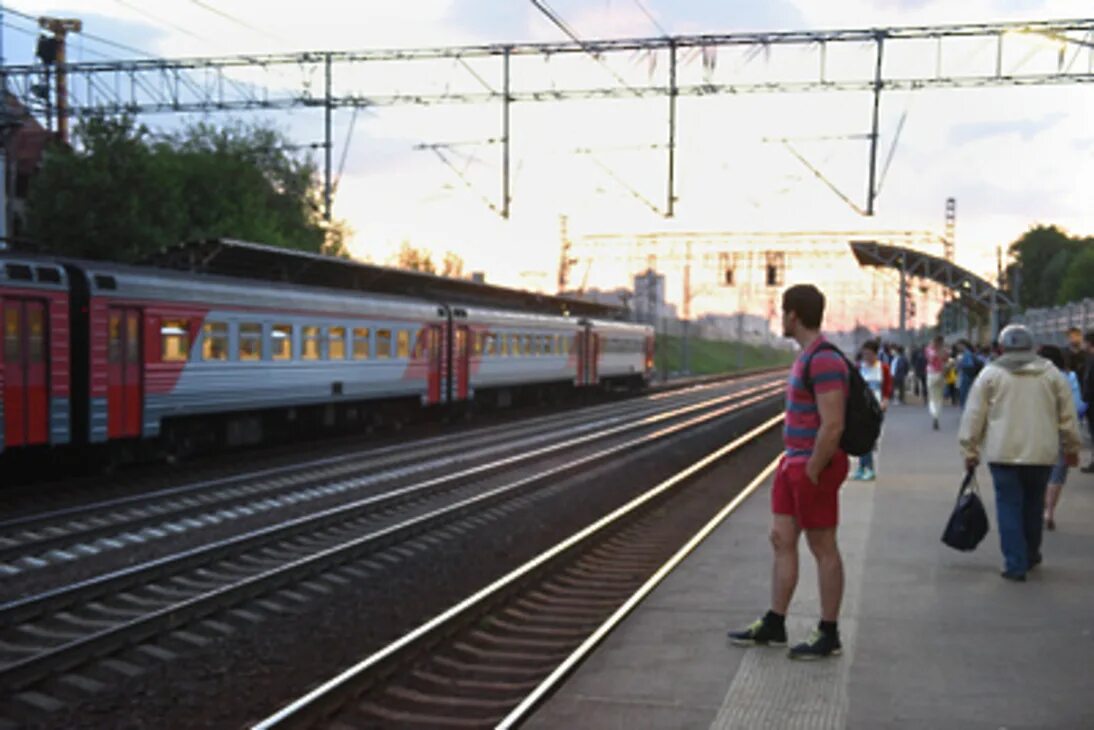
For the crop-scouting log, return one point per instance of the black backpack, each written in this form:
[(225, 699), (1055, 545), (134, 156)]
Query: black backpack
[(862, 414)]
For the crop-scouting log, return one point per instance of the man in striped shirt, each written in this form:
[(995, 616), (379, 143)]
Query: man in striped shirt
[(805, 495)]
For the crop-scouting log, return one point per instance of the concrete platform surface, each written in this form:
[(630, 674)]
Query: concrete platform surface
[(932, 638)]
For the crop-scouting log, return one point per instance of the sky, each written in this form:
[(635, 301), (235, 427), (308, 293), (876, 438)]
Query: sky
[(1012, 157)]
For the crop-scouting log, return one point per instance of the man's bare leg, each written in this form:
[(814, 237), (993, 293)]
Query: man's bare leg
[(822, 543), (784, 575)]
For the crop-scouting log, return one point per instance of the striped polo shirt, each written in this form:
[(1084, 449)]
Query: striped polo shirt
[(828, 371)]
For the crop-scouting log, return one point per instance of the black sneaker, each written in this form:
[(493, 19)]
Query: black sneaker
[(1016, 577), (818, 646), (759, 633)]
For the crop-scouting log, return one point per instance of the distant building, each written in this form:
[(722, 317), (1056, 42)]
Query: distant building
[(649, 297)]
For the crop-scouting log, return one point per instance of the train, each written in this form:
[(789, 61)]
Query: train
[(110, 356)]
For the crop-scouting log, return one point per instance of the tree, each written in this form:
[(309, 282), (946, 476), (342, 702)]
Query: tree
[(1035, 252), (1078, 282), (122, 193), (415, 259), (452, 266)]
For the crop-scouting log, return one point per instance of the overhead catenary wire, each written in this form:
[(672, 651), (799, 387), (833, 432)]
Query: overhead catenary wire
[(238, 21), (85, 34)]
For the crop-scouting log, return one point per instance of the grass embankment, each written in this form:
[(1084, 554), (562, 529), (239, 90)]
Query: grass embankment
[(709, 357)]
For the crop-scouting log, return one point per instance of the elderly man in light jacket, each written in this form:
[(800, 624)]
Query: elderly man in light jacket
[(1018, 413)]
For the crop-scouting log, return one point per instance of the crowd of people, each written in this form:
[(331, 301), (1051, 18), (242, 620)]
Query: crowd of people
[(1020, 409)]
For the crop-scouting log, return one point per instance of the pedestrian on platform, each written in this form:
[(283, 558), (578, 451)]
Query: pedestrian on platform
[(1018, 415), (936, 367), (968, 367), (900, 373), (876, 374), (1076, 352), (805, 495), (1087, 378), (1058, 478), (919, 365)]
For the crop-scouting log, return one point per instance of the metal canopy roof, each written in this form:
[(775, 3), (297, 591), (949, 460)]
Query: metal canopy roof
[(229, 257), (973, 290)]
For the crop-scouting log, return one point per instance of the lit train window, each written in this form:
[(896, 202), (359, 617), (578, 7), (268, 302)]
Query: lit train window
[(490, 347), (214, 343), (12, 337), (529, 345), (479, 344), (383, 344), (545, 344), (250, 341), (402, 344), (36, 335), (514, 345), (361, 350), (309, 343), (174, 339), (337, 346), (281, 342)]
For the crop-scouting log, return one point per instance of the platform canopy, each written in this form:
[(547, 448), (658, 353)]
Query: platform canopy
[(229, 257), (973, 290)]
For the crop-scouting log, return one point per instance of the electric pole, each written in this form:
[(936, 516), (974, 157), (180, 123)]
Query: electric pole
[(52, 52)]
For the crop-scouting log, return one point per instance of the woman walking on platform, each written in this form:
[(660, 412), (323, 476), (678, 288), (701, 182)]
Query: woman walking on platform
[(877, 376), (936, 364)]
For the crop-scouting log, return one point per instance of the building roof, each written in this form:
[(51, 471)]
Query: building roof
[(229, 257)]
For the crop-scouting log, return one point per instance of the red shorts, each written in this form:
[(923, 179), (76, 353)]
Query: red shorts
[(812, 505)]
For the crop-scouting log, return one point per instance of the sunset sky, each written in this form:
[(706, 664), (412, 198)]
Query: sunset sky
[(1012, 157)]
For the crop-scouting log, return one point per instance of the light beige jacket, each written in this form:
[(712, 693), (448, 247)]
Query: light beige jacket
[(1019, 411)]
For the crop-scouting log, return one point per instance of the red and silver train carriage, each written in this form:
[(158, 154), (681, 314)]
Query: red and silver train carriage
[(98, 353)]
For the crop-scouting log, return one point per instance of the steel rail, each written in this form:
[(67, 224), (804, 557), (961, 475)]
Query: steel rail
[(22, 673), (219, 495), (322, 700)]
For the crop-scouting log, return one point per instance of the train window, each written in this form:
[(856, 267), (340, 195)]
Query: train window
[(478, 344), (529, 345), (103, 281), (114, 338), (53, 276), (337, 346), (36, 336), (402, 343), (360, 343), (281, 342), (545, 344), (309, 343), (12, 337), (489, 344), (174, 339), (19, 271), (514, 345), (250, 341), (214, 341), (383, 343)]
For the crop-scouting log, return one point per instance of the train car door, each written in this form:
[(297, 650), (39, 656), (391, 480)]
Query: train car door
[(433, 372), (26, 375), (462, 361), (580, 342), (594, 355), (124, 391)]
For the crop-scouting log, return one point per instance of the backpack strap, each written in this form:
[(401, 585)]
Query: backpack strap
[(807, 378)]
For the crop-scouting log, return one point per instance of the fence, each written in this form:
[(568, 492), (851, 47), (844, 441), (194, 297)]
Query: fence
[(1050, 325)]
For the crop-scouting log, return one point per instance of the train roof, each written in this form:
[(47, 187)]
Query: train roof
[(248, 260)]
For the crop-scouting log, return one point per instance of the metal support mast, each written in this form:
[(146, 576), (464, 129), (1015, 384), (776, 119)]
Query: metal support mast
[(505, 101), (871, 189), (328, 144), (670, 209)]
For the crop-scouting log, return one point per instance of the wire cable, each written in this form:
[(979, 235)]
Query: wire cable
[(90, 36), (241, 23)]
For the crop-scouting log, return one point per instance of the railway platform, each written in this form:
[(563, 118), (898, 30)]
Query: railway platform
[(932, 638)]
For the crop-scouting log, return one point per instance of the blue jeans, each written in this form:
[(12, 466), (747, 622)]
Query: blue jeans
[(1020, 506), (866, 461)]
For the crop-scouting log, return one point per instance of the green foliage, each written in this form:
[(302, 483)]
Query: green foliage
[(708, 357), (1078, 282), (122, 194), (1042, 255)]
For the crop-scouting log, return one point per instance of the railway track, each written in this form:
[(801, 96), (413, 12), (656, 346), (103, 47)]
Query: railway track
[(61, 537), (48, 634), (491, 659)]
